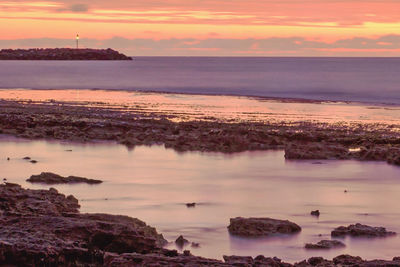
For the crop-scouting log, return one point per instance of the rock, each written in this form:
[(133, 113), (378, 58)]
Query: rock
[(190, 205), (52, 178), (253, 227), (187, 253), (26, 158), (195, 245), (45, 228), (180, 241), (361, 230), (315, 213), (8, 158), (33, 161), (325, 244), (239, 260), (315, 151)]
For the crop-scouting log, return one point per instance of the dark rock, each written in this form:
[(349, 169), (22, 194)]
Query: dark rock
[(347, 260), (190, 205), (45, 228), (61, 54), (253, 227), (239, 260), (33, 161), (180, 241), (27, 158), (52, 178), (187, 253), (315, 213), (360, 230), (8, 158), (195, 245), (325, 244)]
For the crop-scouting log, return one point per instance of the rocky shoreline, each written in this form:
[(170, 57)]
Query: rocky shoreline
[(304, 140), (45, 228), (61, 54)]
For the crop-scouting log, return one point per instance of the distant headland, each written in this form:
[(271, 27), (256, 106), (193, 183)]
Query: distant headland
[(61, 54)]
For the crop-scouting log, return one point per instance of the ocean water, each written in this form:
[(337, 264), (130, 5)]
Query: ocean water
[(375, 80), (154, 183)]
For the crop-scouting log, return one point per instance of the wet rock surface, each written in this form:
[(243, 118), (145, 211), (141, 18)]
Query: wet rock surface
[(45, 228), (68, 121), (52, 178), (254, 227), (61, 54), (361, 230), (326, 244)]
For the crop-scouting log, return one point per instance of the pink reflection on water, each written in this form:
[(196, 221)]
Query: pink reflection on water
[(228, 108), (153, 184)]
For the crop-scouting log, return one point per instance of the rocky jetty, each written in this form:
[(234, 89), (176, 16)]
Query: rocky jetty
[(61, 54), (63, 121), (325, 244), (361, 230), (52, 178), (254, 227)]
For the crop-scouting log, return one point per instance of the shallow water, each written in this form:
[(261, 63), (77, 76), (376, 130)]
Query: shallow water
[(227, 108), (345, 79), (153, 184)]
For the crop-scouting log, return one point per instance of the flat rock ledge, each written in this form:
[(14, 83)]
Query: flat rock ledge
[(52, 178), (361, 230), (326, 244), (255, 227)]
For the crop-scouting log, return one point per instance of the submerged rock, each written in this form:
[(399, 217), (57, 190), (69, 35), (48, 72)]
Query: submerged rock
[(52, 178), (253, 227), (325, 244), (361, 230)]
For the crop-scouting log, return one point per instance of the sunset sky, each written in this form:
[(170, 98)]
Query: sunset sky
[(207, 27)]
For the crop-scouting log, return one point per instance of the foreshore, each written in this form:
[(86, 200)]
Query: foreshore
[(183, 129), (45, 228), (176, 127)]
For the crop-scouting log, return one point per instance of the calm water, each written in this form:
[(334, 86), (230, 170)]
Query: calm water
[(152, 183), (356, 79)]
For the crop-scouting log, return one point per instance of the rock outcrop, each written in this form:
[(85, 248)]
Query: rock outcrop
[(52, 178), (361, 230), (254, 227), (325, 244), (61, 54), (45, 228)]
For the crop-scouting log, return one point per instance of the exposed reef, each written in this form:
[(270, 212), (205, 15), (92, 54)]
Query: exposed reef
[(61, 54), (52, 178), (361, 230), (67, 121), (254, 227)]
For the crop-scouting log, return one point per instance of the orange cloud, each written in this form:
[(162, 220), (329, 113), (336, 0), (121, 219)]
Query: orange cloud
[(327, 21)]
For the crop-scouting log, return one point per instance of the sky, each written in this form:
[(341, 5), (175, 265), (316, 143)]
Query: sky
[(207, 27)]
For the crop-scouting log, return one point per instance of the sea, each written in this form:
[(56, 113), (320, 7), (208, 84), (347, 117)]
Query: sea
[(371, 80)]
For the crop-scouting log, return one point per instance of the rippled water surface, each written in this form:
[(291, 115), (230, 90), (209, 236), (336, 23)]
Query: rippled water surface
[(153, 184), (344, 79)]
